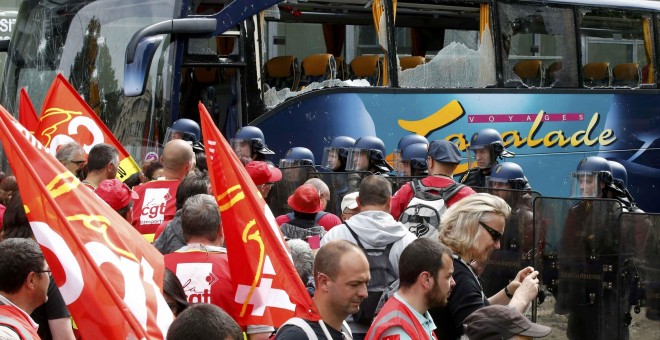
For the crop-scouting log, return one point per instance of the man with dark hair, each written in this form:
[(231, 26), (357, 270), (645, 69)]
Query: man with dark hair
[(72, 156), (102, 163), (380, 236), (156, 203), (169, 236), (204, 321), (341, 272), (204, 257), (24, 279), (425, 281)]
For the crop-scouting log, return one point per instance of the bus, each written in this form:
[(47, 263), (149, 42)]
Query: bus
[(560, 80)]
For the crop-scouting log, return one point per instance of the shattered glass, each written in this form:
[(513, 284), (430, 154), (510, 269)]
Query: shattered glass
[(273, 97), (455, 66)]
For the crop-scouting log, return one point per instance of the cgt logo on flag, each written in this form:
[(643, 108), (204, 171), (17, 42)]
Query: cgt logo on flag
[(108, 275), (66, 118), (264, 295), (268, 290)]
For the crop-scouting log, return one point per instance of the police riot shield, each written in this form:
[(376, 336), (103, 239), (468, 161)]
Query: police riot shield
[(578, 259), (399, 181), (292, 178), (516, 245), (640, 275), (340, 184)]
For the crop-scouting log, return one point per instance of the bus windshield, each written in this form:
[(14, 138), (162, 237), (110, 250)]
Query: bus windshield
[(85, 41)]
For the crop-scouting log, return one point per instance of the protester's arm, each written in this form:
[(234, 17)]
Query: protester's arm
[(60, 329), (7, 333), (400, 200), (501, 298), (526, 292), (396, 330)]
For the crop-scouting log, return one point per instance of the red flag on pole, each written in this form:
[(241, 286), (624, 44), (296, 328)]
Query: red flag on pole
[(109, 276), (27, 116), (268, 290), (66, 117)]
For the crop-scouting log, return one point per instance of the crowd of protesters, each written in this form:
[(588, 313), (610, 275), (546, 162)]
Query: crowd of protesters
[(437, 292)]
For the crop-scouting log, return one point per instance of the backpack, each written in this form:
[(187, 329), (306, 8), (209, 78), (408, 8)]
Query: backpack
[(382, 276), (305, 223), (423, 214)]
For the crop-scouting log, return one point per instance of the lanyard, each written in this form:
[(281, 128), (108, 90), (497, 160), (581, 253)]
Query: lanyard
[(476, 278)]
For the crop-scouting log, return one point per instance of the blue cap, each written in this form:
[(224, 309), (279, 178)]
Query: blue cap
[(442, 150)]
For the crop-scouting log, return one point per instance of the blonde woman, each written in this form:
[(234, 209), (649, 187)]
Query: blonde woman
[(472, 228)]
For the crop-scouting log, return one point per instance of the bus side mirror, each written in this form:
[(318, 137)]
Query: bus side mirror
[(4, 45), (142, 47), (144, 43)]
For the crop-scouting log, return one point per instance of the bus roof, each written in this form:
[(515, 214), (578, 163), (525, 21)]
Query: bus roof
[(628, 4)]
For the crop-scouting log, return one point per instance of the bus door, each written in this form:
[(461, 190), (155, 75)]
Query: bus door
[(213, 72)]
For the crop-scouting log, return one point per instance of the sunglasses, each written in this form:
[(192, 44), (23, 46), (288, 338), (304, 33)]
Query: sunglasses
[(496, 235), (77, 162)]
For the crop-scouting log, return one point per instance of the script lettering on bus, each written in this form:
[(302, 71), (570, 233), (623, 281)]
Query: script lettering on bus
[(451, 112)]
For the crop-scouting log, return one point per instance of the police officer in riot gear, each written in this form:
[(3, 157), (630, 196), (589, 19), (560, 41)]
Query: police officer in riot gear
[(404, 142), (297, 156), (508, 181), (413, 161), (250, 144), (188, 130), (368, 154), (487, 146), (588, 290), (619, 181), (335, 155)]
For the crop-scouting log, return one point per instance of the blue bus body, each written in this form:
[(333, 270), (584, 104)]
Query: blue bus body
[(549, 132)]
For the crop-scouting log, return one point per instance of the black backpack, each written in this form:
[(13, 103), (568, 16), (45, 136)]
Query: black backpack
[(382, 276), (424, 211)]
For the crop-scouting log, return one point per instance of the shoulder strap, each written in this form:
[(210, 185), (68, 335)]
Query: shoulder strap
[(319, 216), (449, 191), (302, 324), (357, 239), (290, 216)]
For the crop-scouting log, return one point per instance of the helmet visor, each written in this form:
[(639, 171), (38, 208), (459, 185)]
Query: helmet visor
[(332, 158), (242, 147), (358, 160), (288, 163), (586, 184), (171, 134)]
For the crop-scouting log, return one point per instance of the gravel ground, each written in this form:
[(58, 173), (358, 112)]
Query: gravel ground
[(640, 328)]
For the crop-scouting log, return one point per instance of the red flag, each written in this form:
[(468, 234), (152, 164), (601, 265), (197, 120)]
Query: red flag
[(268, 288), (66, 117), (27, 116), (109, 276)]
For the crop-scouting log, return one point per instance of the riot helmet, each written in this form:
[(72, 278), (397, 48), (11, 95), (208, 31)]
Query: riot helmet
[(334, 156), (593, 174), (297, 156), (368, 154), (404, 142), (249, 142), (507, 175), (487, 146), (413, 160), (619, 174), (188, 130)]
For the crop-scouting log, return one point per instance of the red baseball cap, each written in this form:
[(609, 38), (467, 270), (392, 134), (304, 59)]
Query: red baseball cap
[(306, 199), (117, 194), (262, 172)]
